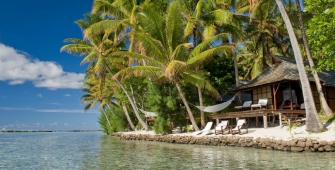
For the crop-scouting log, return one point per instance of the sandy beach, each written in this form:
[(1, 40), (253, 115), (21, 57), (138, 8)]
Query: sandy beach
[(271, 132)]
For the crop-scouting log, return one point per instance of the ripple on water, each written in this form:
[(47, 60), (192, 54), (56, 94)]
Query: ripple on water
[(95, 150)]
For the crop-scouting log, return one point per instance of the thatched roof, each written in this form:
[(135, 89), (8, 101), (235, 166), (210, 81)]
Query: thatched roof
[(285, 69)]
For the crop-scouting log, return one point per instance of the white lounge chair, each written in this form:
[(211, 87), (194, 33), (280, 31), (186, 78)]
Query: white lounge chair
[(206, 130), (240, 123), (245, 106), (221, 127), (261, 103)]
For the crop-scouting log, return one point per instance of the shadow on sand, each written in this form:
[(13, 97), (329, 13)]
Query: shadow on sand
[(329, 122)]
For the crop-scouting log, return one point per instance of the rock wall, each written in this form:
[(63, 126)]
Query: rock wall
[(294, 145)]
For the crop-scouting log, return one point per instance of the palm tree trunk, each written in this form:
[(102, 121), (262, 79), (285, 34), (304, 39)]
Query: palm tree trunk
[(190, 114), (129, 98), (326, 110), (313, 122), (201, 103), (235, 62), (202, 113), (103, 110), (128, 117)]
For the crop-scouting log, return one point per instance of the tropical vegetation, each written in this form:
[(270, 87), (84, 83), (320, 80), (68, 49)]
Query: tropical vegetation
[(168, 56)]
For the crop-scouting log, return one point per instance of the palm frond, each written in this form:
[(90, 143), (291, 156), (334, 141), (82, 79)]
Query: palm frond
[(173, 67), (181, 52), (174, 22), (106, 26), (197, 78), (152, 22), (148, 71), (79, 49), (207, 43), (208, 54), (137, 56), (194, 19), (152, 46), (105, 7)]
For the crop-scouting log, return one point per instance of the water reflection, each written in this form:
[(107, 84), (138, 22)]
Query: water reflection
[(86, 151), (121, 154)]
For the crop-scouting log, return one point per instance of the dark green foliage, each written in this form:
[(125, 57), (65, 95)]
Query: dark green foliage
[(320, 32), (221, 73), (163, 99), (162, 125), (117, 119), (103, 123)]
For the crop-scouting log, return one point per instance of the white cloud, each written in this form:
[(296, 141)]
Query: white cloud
[(39, 95), (66, 124), (67, 95), (16, 67)]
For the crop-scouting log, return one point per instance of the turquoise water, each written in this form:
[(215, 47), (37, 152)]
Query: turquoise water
[(94, 150)]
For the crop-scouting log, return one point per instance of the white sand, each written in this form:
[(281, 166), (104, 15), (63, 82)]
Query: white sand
[(273, 133)]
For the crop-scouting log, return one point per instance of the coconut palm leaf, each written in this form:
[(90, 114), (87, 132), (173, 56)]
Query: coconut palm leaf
[(151, 60), (208, 54), (138, 71), (209, 43), (174, 21), (198, 80)]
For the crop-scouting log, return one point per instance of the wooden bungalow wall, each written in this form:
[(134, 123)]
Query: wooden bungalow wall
[(330, 92), (261, 93), (266, 92)]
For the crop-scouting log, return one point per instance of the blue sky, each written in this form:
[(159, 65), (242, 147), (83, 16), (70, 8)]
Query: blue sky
[(40, 87)]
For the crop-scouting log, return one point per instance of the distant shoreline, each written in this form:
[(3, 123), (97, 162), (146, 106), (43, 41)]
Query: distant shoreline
[(22, 131)]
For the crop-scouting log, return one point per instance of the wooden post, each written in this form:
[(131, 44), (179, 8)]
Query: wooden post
[(265, 121), (217, 121), (256, 121), (274, 96)]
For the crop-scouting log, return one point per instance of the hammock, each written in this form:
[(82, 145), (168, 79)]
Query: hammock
[(217, 107), (148, 114)]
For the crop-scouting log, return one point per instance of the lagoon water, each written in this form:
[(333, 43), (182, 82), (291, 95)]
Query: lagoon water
[(95, 150)]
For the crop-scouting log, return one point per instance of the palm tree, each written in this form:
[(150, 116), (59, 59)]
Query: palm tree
[(266, 31), (325, 108), (168, 56), (313, 122), (91, 98), (204, 20), (104, 92), (97, 49)]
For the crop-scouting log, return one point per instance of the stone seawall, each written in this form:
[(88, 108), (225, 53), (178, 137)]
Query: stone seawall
[(294, 145)]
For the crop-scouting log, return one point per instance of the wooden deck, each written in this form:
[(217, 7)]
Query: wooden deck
[(258, 113)]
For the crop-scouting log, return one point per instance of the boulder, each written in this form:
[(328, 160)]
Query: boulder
[(321, 149), (309, 143), (329, 148), (301, 144), (293, 142), (297, 149), (323, 143)]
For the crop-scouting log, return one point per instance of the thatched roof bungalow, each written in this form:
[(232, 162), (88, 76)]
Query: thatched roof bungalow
[(283, 76)]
